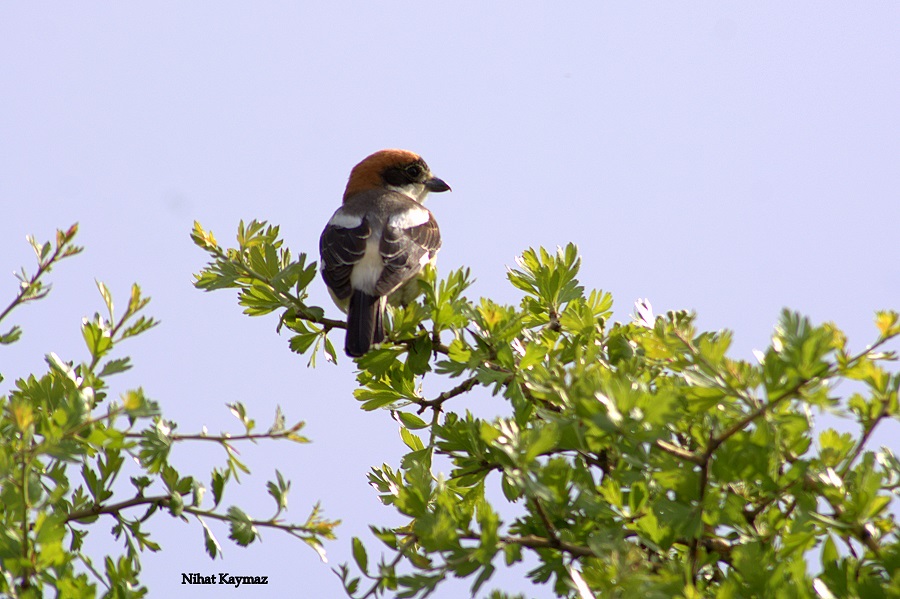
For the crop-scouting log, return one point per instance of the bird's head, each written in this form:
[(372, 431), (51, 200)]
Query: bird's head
[(397, 170)]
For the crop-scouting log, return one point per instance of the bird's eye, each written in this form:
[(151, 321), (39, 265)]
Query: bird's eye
[(414, 171)]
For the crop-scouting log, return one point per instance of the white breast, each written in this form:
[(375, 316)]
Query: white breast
[(412, 217)]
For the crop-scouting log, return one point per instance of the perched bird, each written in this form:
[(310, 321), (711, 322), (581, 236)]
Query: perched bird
[(378, 241)]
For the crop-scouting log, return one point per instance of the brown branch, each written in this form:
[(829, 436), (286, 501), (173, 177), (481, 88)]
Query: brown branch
[(44, 266), (778, 495), (26, 508), (531, 541), (861, 444), (551, 530), (716, 545), (715, 442), (327, 323), (438, 401), (163, 501), (292, 529), (860, 533), (553, 322), (694, 543), (224, 438), (436, 345), (788, 394), (536, 542), (679, 452), (115, 508)]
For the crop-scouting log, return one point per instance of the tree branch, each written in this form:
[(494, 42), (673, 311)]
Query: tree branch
[(44, 266), (861, 444), (536, 542), (551, 530), (438, 401), (225, 438), (679, 452), (115, 508), (163, 501)]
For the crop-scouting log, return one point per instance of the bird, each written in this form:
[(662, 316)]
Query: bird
[(378, 241)]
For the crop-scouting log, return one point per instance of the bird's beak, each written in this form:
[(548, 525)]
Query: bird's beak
[(436, 185)]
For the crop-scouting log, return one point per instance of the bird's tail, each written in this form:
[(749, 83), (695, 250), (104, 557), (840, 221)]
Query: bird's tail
[(364, 323)]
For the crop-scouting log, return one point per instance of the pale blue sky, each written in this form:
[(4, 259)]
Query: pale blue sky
[(730, 158)]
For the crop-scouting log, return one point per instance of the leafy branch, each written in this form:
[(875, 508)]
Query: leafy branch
[(66, 441), (32, 288), (637, 458)]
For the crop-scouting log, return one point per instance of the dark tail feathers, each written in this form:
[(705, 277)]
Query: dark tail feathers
[(364, 324)]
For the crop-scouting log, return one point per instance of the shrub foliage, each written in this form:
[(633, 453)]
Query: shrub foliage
[(66, 438), (630, 459), (634, 459)]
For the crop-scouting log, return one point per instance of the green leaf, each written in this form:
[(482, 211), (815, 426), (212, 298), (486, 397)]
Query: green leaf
[(213, 549), (115, 366), (107, 298), (545, 440), (217, 483), (243, 532), (330, 353), (411, 421), (141, 483), (887, 323), (141, 325), (360, 556), (534, 354), (176, 504), (300, 343), (155, 444), (379, 361), (637, 497), (279, 489), (419, 355), (377, 396), (240, 412), (11, 336), (198, 492), (410, 440), (98, 337), (830, 554), (834, 446)]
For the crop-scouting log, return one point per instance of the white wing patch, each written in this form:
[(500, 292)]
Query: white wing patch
[(366, 272), (409, 218), (345, 221)]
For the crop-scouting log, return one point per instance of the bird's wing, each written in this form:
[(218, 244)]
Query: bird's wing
[(405, 251), (341, 248)]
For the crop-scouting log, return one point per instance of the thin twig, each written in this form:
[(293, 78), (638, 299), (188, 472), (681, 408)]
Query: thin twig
[(225, 438), (536, 542), (694, 544), (861, 444), (64, 249), (438, 401), (164, 501), (551, 530), (115, 508), (679, 452)]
